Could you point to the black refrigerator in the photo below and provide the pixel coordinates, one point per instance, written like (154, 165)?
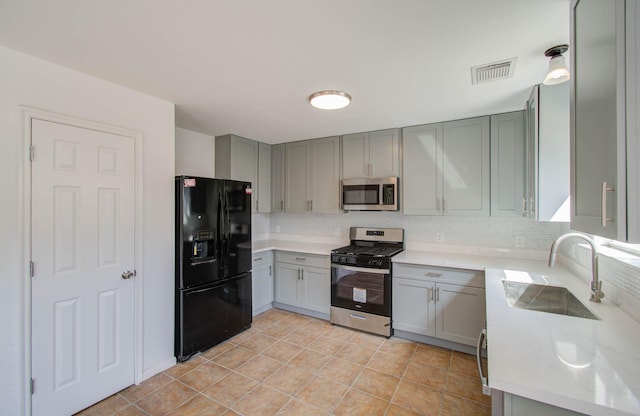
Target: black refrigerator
(213, 262)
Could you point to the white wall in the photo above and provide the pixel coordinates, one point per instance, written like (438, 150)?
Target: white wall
(28, 81)
(195, 153)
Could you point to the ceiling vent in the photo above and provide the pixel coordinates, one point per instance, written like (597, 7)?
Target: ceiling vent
(494, 71)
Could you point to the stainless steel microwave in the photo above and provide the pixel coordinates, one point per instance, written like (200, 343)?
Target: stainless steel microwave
(370, 194)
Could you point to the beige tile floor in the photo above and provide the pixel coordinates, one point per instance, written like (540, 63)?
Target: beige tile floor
(289, 364)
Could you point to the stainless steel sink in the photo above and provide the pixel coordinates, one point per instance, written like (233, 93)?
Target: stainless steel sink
(543, 298)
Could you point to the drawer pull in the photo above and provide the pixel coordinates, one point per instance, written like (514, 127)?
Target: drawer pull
(258, 259)
(301, 259)
(358, 317)
(433, 274)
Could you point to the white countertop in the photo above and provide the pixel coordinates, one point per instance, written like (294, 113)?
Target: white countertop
(292, 245)
(589, 366)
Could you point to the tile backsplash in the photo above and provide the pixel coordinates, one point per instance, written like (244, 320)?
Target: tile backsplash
(491, 232)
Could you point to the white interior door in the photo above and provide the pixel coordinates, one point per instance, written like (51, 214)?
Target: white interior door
(82, 242)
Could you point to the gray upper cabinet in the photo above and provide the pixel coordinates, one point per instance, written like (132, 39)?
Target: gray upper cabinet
(237, 159)
(421, 170)
(546, 181)
(446, 168)
(325, 175)
(277, 177)
(263, 202)
(507, 164)
(465, 167)
(604, 118)
(312, 182)
(373, 154)
(297, 177)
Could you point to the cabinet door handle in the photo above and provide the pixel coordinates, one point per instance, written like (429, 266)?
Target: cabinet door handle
(302, 274)
(430, 294)
(437, 294)
(270, 270)
(438, 204)
(282, 205)
(256, 205)
(605, 189)
(524, 206)
(298, 274)
(311, 205)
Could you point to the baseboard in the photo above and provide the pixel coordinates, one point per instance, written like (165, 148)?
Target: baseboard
(302, 311)
(435, 341)
(262, 309)
(150, 372)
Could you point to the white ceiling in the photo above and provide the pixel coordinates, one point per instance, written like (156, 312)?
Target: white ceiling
(248, 66)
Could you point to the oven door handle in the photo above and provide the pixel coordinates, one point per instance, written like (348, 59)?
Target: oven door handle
(360, 269)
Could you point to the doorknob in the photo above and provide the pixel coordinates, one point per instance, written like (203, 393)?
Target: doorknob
(128, 274)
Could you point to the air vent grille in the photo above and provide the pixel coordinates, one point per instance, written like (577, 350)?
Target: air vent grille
(493, 72)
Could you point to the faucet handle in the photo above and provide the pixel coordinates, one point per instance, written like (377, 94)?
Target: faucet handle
(596, 292)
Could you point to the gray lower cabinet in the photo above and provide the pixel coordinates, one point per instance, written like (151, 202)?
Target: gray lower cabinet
(312, 179)
(303, 283)
(262, 282)
(446, 168)
(443, 303)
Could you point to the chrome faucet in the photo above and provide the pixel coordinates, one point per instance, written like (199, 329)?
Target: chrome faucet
(596, 284)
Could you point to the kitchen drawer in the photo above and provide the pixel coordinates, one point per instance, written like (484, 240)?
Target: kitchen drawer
(440, 274)
(302, 259)
(262, 258)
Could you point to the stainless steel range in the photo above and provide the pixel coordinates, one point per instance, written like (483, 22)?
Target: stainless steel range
(361, 279)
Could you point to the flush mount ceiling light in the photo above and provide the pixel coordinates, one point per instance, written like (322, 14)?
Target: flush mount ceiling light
(330, 99)
(558, 72)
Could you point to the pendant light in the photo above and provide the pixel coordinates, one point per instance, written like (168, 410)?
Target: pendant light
(330, 99)
(558, 72)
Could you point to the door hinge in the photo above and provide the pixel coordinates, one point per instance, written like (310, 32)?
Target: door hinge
(32, 152)
(33, 386)
(32, 268)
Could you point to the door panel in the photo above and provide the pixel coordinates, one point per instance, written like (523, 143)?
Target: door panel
(383, 153)
(460, 312)
(296, 194)
(82, 242)
(325, 175)
(316, 292)
(414, 306)
(465, 167)
(287, 278)
(422, 175)
(355, 155)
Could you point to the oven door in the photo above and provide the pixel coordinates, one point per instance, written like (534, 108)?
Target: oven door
(361, 289)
